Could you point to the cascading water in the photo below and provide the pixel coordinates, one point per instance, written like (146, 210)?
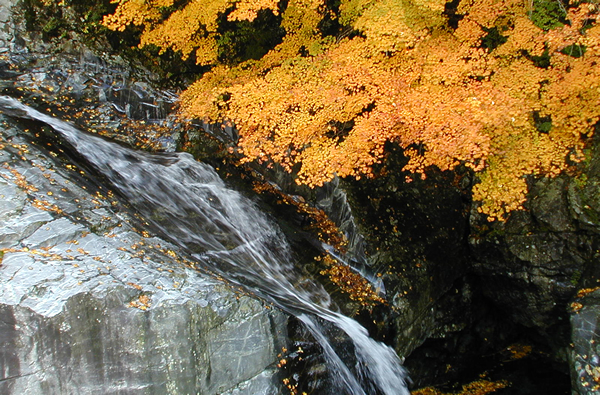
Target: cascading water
(190, 205)
(332, 199)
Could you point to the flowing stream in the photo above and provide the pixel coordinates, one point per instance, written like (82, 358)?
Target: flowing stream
(190, 205)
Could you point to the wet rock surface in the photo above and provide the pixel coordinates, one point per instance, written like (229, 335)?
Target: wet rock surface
(537, 267)
(96, 90)
(415, 236)
(585, 354)
(90, 304)
(467, 294)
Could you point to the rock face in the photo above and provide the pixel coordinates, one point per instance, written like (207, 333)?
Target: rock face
(462, 287)
(531, 266)
(415, 236)
(585, 354)
(89, 304)
(541, 268)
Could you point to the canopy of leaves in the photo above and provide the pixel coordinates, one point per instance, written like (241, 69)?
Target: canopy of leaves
(504, 87)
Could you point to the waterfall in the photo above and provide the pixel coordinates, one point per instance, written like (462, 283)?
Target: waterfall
(188, 204)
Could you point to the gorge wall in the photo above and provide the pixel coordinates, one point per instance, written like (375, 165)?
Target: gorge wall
(467, 292)
(518, 300)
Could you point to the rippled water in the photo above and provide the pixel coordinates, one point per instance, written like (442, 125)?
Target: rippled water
(190, 205)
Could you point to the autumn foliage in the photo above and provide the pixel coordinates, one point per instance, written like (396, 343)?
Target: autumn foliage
(505, 87)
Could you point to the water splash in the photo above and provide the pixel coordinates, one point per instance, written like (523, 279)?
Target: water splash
(190, 205)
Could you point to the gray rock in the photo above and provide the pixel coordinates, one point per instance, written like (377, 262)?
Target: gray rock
(585, 337)
(54, 232)
(22, 226)
(584, 201)
(91, 305)
(5, 19)
(102, 346)
(255, 386)
(533, 265)
(549, 205)
(11, 198)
